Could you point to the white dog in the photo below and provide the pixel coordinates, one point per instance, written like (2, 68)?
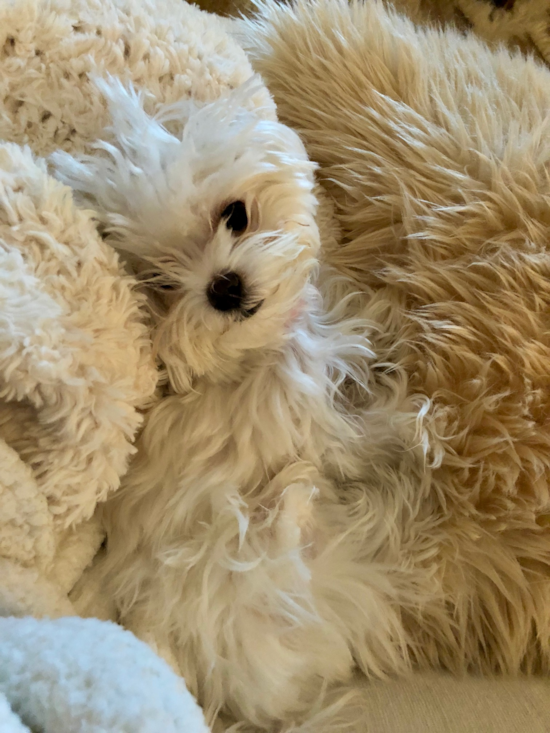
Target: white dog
(234, 545)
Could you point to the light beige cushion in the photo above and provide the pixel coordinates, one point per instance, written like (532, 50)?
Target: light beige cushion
(438, 703)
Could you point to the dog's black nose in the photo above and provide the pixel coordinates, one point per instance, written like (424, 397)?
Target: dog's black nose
(226, 292)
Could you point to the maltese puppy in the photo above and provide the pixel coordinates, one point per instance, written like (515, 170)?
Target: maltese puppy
(231, 545)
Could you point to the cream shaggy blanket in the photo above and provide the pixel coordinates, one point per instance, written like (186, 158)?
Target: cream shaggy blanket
(76, 365)
(521, 24)
(436, 153)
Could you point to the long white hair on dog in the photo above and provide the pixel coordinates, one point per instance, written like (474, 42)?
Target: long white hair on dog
(237, 544)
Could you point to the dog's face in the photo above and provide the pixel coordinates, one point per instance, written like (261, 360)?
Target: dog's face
(218, 222)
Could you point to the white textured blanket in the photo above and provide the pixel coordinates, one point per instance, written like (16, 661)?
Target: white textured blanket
(75, 366)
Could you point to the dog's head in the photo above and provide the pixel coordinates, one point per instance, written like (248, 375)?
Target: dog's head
(217, 221)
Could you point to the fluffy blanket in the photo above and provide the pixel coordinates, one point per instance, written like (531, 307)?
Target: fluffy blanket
(76, 366)
(522, 24)
(73, 674)
(436, 153)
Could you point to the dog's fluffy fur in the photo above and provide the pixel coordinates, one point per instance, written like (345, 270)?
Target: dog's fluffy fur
(300, 502)
(230, 548)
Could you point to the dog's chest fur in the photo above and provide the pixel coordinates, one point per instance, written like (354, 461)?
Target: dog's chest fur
(237, 490)
(233, 438)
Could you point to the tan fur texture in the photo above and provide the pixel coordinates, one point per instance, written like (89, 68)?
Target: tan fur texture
(519, 24)
(436, 153)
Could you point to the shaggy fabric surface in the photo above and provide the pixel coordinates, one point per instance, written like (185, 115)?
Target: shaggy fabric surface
(522, 24)
(436, 153)
(70, 675)
(73, 372)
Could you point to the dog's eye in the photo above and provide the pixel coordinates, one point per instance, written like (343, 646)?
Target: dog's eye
(159, 281)
(235, 216)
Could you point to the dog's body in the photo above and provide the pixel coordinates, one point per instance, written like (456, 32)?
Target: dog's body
(233, 544)
(219, 542)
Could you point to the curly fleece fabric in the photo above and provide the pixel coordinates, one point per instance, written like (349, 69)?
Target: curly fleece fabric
(89, 676)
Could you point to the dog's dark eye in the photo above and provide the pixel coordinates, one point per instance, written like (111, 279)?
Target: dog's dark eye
(235, 217)
(159, 281)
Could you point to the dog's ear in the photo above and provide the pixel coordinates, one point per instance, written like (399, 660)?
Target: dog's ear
(127, 166)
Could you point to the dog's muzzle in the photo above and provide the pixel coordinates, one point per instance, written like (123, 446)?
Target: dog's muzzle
(227, 294)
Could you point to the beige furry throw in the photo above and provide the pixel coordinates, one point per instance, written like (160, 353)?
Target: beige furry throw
(436, 152)
(522, 24)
